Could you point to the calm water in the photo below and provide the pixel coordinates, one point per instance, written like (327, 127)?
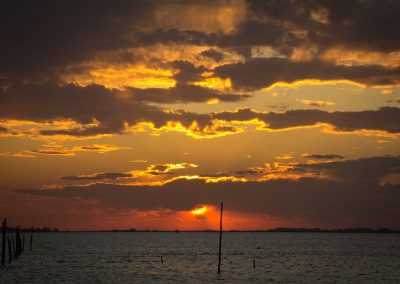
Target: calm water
(192, 257)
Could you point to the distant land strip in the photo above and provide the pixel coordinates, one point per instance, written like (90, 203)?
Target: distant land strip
(275, 230)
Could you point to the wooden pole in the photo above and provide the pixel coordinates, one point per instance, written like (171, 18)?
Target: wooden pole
(19, 243)
(9, 249)
(14, 247)
(30, 243)
(220, 239)
(3, 243)
(254, 263)
(162, 260)
(16, 243)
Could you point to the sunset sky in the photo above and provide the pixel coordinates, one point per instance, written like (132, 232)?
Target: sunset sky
(148, 114)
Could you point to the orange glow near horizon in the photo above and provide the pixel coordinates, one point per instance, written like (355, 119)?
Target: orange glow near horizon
(199, 211)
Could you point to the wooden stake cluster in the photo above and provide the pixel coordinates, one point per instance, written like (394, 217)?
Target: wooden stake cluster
(15, 244)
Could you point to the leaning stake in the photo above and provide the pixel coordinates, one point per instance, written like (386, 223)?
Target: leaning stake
(220, 239)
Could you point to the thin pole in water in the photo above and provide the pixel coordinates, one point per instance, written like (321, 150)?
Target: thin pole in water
(9, 250)
(220, 239)
(17, 242)
(30, 244)
(14, 247)
(3, 243)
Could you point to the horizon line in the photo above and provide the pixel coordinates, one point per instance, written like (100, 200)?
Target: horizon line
(274, 230)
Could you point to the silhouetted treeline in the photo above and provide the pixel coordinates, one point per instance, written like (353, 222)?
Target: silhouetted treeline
(275, 230)
(346, 230)
(32, 229)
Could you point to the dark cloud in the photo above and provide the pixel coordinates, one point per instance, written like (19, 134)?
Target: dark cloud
(288, 24)
(158, 173)
(49, 102)
(92, 148)
(214, 54)
(44, 39)
(322, 156)
(113, 110)
(174, 35)
(368, 25)
(363, 169)
(41, 37)
(100, 176)
(38, 37)
(238, 173)
(317, 201)
(50, 152)
(159, 169)
(384, 119)
(187, 72)
(263, 72)
(250, 32)
(184, 93)
(3, 129)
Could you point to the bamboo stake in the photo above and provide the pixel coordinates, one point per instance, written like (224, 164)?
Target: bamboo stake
(220, 239)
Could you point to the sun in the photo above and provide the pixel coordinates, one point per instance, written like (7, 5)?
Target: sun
(201, 210)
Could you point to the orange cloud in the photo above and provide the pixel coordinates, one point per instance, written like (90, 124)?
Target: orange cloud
(312, 82)
(284, 157)
(222, 17)
(316, 103)
(54, 149)
(200, 210)
(387, 92)
(345, 56)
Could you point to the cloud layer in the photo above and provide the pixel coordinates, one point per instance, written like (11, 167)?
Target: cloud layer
(352, 195)
(109, 111)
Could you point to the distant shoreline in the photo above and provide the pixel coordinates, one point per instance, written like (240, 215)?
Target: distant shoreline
(276, 230)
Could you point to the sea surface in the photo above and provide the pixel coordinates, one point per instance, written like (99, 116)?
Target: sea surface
(192, 257)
